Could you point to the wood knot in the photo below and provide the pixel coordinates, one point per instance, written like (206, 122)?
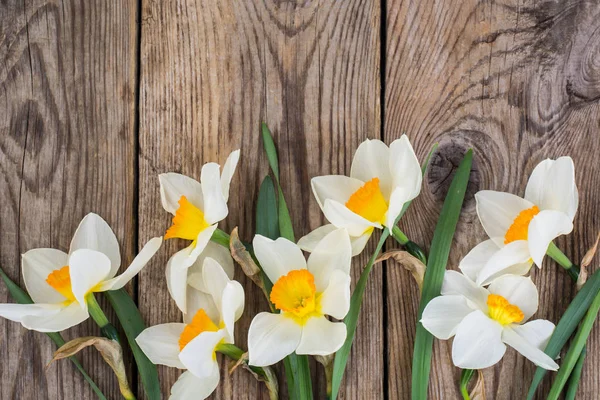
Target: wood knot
(444, 163)
(583, 76)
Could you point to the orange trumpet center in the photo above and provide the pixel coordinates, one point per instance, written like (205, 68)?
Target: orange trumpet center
(368, 202)
(60, 280)
(502, 311)
(520, 226)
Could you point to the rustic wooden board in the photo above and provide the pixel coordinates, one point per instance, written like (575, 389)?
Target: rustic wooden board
(67, 79)
(211, 73)
(517, 81)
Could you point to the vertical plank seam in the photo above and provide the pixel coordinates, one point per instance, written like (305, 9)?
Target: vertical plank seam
(136, 170)
(382, 70)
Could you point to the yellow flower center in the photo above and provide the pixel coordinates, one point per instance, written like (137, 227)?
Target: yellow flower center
(520, 226)
(502, 311)
(368, 202)
(60, 280)
(296, 295)
(200, 323)
(188, 221)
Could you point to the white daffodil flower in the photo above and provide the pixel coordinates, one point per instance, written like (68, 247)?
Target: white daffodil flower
(305, 292)
(483, 321)
(192, 345)
(521, 229)
(197, 208)
(59, 282)
(381, 180)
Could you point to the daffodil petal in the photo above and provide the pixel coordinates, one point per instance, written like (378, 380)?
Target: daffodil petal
(475, 259)
(65, 318)
(398, 198)
(196, 300)
(177, 276)
(272, 337)
(198, 355)
(311, 240)
(232, 306)
(36, 265)
(552, 186)
(405, 168)
(443, 314)
(217, 252)
(333, 253)
(372, 160)
(135, 267)
(340, 216)
(513, 258)
(160, 343)
(321, 337)
(360, 242)
(277, 257)
(215, 205)
(16, 312)
(334, 187)
(536, 332)
(456, 283)
(93, 233)
(190, 387)
(497, 212)
(228, 171)
(518, 290)
(173, 186)
(88, 269)
(215, 280)
(543, 229)
(478, 342)
(528, 350)
(335, 299)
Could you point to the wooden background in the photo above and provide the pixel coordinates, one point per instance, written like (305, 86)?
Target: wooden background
(98, 97)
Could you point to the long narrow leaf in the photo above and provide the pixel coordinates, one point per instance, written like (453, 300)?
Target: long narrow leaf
(23, 298)
(286, 228)
(267, 217)
(575, 377)
(434, 274)
(133, 324)
(567, 325)
(575, 350)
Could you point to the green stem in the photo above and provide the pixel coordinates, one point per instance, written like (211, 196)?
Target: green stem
(557, 255)
(108, 330)
(410, 246)
(220, 237)
(465, 378)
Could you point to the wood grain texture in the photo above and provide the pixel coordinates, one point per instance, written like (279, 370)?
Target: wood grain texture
(66, 148)
(211, 73)
(517, 81)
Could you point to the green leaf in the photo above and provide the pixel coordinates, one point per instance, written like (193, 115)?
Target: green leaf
(434, 274)
(575, 377)
(23, 298)
(133, 324)
(267, 217)
(575, 350)
(567, 325)
(286, 228)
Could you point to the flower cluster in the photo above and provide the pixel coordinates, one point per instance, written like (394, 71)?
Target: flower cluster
(487, 305)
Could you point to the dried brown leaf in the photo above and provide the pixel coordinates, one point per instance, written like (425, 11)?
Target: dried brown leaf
(585, 262)
(245, 260)
(110, 351)
(478, 392)
(408, 261)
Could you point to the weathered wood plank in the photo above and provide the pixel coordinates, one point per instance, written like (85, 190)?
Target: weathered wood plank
(211, 73)
(67, 78)
(519, 82)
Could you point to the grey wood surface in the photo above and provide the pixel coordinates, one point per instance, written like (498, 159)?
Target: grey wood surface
(99, 97)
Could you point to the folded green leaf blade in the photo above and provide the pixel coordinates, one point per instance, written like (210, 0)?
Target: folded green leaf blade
(434, 274)
(22, 297)
(271, 150)
(575, 377)
(133, 324)
(575, 350)
(567, 325)
(267, 216)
